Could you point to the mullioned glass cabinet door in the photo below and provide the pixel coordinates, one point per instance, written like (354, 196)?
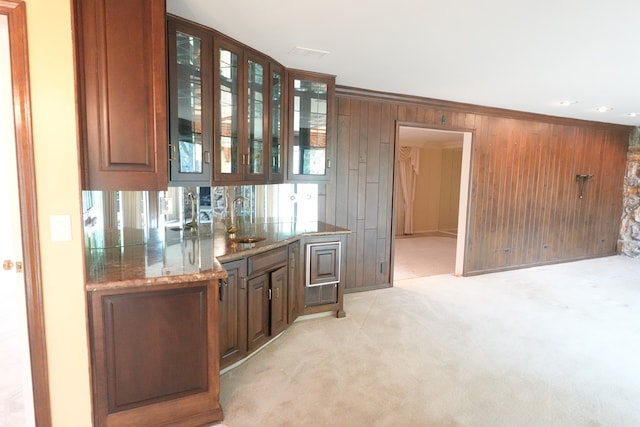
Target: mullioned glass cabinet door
(189, 104)
(310, 101)
(257, 100)
(229, 103)
(276, 124)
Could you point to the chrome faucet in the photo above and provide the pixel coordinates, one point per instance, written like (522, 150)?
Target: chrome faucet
(232, 229)
(193, 224)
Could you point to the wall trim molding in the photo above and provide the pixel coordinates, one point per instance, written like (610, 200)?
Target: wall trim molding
(452, 106)
(15, 10)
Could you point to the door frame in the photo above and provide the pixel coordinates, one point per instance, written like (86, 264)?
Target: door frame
(465, 190)
(15, 11)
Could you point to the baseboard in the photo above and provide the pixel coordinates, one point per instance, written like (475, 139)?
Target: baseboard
(437, 233)
(367, 288)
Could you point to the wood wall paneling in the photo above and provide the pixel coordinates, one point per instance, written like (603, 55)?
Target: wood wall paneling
(524, 208)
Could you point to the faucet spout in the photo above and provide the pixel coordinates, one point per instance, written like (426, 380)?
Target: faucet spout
(193, 224)
(232, 213)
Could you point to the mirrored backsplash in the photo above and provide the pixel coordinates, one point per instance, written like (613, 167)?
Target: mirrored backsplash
(124, 218)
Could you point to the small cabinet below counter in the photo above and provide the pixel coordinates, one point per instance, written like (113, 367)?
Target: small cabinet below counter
(254, 304)
(323, 286)
(266, 289)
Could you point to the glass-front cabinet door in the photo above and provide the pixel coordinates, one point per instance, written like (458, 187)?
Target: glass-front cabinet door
(189, 53)
(310, 126)
(256, 154)
(228, 153)
(276, 128)
(242, 93)
(227, 106)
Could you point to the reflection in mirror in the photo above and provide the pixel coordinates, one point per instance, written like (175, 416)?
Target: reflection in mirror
(120, 218)
(125, 218)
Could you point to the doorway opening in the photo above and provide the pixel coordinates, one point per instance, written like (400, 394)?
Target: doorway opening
(431, 189)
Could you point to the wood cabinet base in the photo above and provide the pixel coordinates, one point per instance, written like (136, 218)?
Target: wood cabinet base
(154, 355)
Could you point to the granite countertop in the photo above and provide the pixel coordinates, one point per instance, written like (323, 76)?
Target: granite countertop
(177, 256)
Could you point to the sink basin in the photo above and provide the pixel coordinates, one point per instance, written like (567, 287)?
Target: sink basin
(247, 239)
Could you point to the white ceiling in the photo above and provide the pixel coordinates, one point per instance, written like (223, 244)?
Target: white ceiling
(525, 56)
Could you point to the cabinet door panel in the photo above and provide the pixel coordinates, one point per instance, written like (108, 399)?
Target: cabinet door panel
(323, 263)
(311, 105)
(256, 155)
(295, 283)
(154, 355)
(121, 57)
(142, 366)
(228, 63)
(321, 295)
(278, 300)
(276, 125)
(190, 106)
(233, 314)
(258, 311)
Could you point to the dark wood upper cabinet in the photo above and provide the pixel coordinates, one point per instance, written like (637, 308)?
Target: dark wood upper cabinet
(241, 103)
(277, 123)
(122, 95)
(190, 103)
(227, 109)
(311, 107)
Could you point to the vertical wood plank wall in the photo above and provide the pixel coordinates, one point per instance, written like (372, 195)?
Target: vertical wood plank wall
(524, 208)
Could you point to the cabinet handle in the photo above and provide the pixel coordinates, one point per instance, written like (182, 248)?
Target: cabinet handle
(277, 293)
(172, 156)
(243, 283)
(221, 284)
(269, 294)
(207, 157)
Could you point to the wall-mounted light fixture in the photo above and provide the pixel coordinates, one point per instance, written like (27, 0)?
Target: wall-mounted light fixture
(582, 180)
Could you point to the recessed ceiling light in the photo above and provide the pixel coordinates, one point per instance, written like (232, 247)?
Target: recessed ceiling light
(568, 102)
(603, 109)
(632, 114)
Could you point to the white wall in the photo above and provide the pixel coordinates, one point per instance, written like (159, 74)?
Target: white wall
(437, 191)
(58, 193)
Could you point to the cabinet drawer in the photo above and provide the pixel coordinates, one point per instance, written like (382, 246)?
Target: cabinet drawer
(265, 261)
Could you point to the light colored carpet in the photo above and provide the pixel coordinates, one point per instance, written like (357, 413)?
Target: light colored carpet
(424, 256)
(548, 346)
